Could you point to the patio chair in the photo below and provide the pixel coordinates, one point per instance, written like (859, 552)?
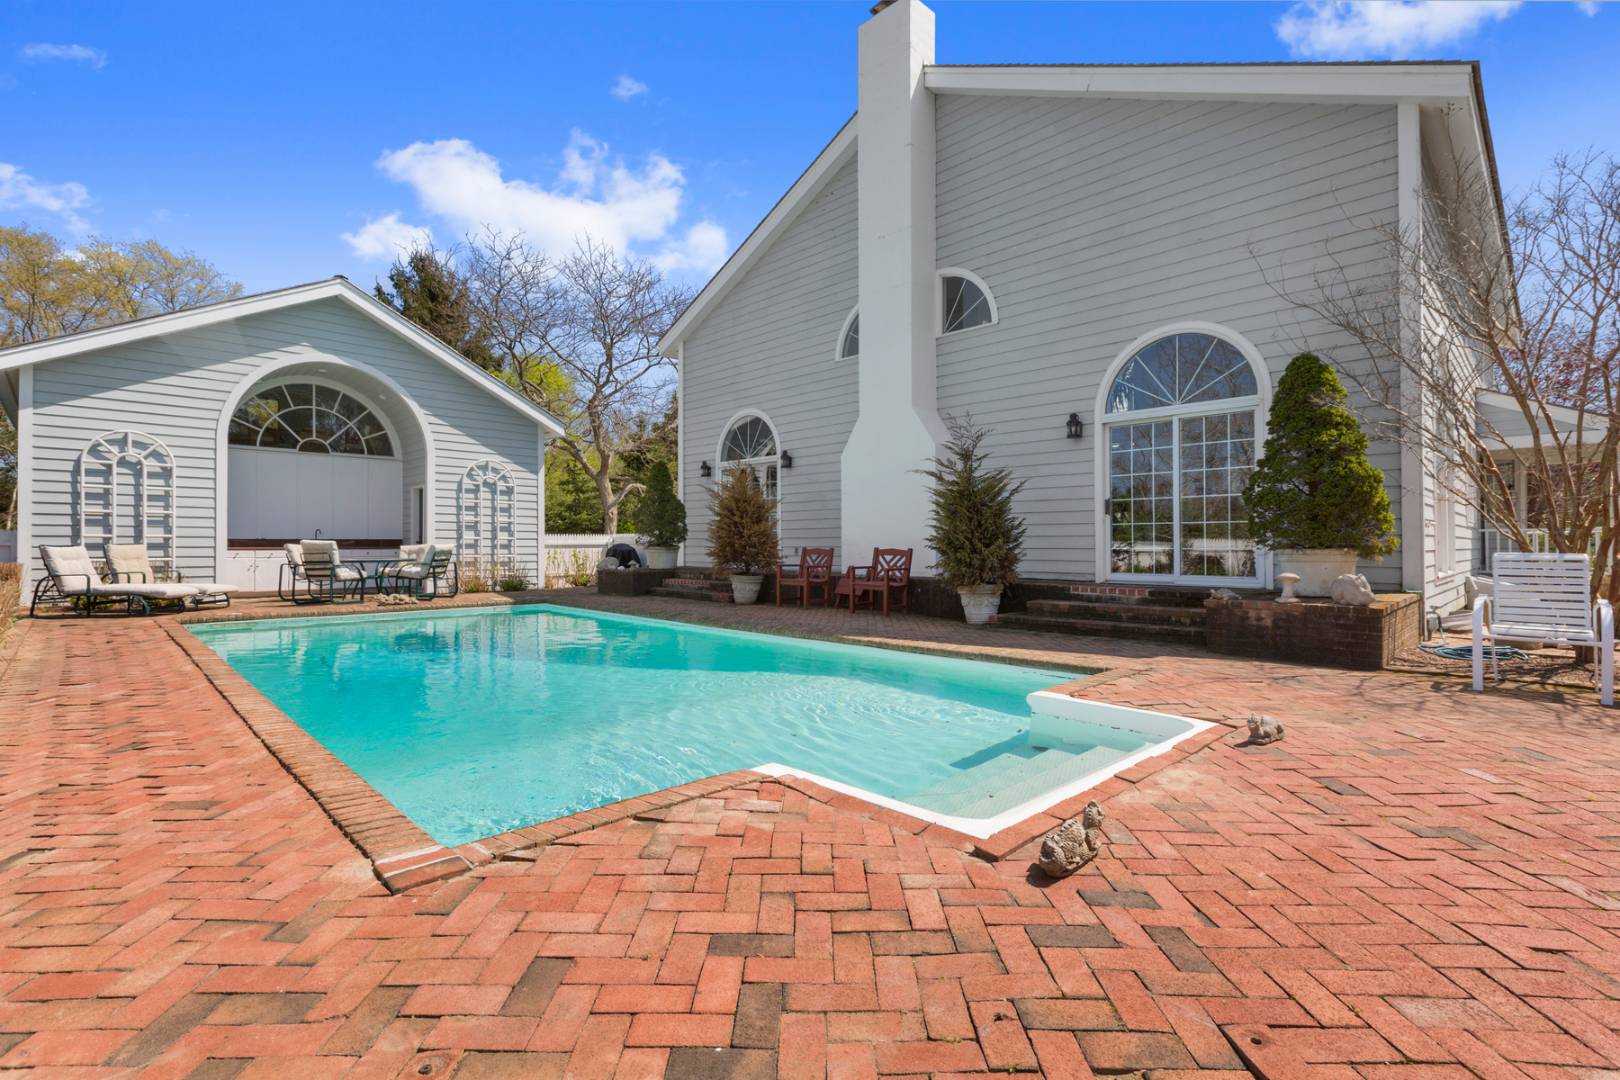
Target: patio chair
(813, 569)
(1546, 599)
(131, 564)
(423, 571)
(70, 574)
(888, 575)
(327, 578)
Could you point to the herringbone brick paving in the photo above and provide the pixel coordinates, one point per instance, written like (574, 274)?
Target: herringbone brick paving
(1417, 882)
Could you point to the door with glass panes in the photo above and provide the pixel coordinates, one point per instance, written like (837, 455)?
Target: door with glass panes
(1180, 435)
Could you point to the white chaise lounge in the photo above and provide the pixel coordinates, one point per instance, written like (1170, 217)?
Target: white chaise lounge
(1545, 599)
(131, 564)
(71, 574)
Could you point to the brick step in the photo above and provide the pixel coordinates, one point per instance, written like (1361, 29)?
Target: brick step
(1158, 595)
(1187, 635)
(716, 584)
(1115, 611)
(683, 592)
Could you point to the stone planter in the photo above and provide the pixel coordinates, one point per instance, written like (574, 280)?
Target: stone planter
(1316, 568)
(745, 587)
(662, 558)
(980, 603)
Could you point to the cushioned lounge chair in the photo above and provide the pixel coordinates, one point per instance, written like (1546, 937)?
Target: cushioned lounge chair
(327, 579)
(422, 571)
(70, 574)
(131, 564)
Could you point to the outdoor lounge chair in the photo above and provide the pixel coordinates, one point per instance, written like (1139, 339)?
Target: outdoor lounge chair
(131, 564)
(327, 578)
(424, 570)
(70, 574)
(889, 575)
(1546, 599)
(813, 569)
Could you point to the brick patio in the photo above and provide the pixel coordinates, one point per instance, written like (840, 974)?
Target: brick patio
(1418, 881)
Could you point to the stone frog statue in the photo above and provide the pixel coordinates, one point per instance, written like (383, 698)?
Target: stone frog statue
(1264, 729)
(1073, 844)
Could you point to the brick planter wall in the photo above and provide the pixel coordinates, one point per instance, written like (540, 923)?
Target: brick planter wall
(930, 596)
(630, 582)
(1316, 631)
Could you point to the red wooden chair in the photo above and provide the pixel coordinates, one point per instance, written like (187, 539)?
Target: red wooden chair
(889, 575)
(813, 568)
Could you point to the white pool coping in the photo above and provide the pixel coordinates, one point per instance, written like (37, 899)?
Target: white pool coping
(1049, 713)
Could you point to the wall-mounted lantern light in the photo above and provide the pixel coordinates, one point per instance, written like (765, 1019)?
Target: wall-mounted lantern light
(1076, 428)
(704, 470)
(787, 460)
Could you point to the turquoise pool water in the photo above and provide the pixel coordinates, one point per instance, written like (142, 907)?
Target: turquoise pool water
(474, 722)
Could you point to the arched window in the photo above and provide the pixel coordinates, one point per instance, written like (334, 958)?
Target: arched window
(750, 443)
(486, 521)
(310, 417)
(1182, 422)
(964, 301)
(849, 337)
(124, 493)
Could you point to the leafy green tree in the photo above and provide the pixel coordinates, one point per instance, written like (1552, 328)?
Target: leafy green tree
(1315, 488)
(975, 534)
(661, 516)
(426, 288)
(571, 502)
(742, 525)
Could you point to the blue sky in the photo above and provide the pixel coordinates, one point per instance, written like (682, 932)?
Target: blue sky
(313, 140)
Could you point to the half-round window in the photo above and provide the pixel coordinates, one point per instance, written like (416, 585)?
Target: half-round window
(310, 417)
(964, 302)
(1181, 369)
(849, 339)
(750, 443)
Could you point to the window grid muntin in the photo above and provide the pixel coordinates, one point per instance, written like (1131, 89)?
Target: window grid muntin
(964, 304)
(1216, 457)
(849, 343)
(309, 417)
(1178, 370)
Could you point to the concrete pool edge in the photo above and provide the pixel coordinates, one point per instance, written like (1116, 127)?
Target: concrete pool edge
(404, 856)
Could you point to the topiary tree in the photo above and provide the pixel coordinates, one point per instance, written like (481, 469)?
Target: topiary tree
(1315, 488)
(742, 525)
(976, 535)
(661, 514)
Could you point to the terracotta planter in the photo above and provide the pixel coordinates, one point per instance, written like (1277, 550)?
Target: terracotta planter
(745, 588)
(980, 603)
(1316, 568)
(662, 558)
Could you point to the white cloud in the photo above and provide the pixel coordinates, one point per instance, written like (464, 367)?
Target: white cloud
(388, 237)
(596, 196)
(1345, 29)
(19, 190)
(627, 88)
(79, 54)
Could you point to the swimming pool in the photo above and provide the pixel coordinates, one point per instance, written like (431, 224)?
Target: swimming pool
(477, 721)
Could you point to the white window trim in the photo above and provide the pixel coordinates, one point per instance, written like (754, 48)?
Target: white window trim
(1101, 418)
(838, 344)
(720, 462)
(330, 384)
(939, 300)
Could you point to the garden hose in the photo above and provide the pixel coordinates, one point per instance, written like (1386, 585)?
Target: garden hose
(1466, 652)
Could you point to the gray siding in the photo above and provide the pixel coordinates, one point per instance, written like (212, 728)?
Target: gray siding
(1096, 221)
(174, 389)
(769, 346)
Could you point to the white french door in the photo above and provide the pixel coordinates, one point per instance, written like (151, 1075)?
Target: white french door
(1173, 508)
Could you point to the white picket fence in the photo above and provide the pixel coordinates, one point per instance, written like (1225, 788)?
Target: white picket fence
(571, 558)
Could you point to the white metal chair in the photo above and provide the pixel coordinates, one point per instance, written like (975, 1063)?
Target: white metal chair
(1545, 599)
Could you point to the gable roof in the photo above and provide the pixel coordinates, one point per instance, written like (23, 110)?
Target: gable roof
(1427, 82)
(334, 288)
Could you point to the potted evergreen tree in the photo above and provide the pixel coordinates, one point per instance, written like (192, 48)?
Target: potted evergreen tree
(1314, 499)
(662, 517)
(742, 533)
(977, 538)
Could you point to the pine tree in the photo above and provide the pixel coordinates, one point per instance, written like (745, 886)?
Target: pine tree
(660, 515)
(976, 535)
(742, 525)
(427, 290)
(1315, 488)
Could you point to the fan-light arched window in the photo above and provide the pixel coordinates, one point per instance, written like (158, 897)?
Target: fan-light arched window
(310, 417)
(1181, 369)
(486, 516)
(750, 443)
(124, 493)
(849, 338)
(964, 302)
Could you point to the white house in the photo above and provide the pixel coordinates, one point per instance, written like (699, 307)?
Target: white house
(216, 434)
(1035, 244)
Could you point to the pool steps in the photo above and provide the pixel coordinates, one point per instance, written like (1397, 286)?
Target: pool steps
(986, 789)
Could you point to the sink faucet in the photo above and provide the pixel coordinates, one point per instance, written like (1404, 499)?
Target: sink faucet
(317, 534)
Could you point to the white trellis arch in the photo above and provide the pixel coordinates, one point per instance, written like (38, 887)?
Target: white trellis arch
(145, 514)
(486, 513)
